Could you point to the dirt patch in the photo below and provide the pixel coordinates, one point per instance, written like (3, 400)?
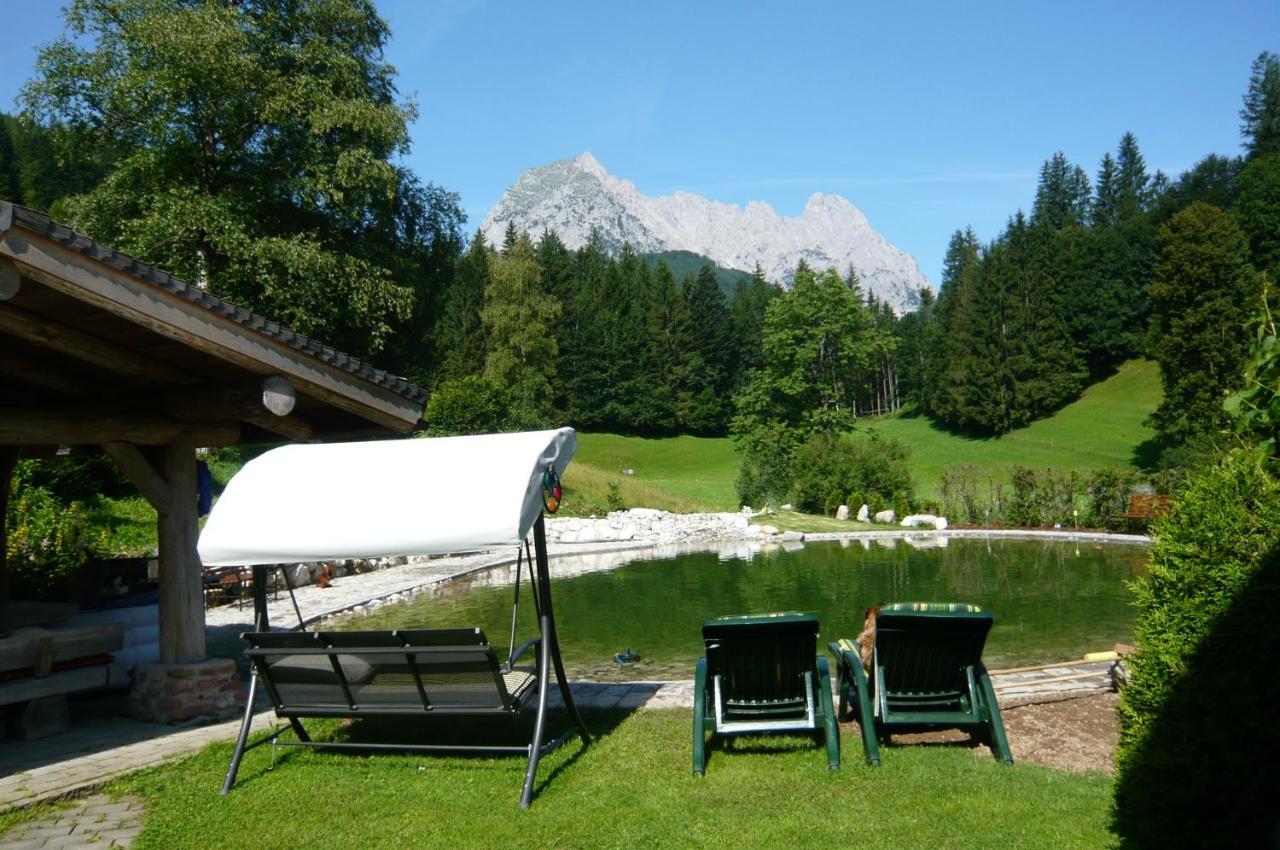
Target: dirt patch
(1072, 733)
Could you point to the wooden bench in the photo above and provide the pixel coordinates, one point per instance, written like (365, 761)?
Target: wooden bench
(1143, 507)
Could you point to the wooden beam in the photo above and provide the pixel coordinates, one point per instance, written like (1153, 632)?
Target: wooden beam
(26, 426)
(30, 371)
(73, 273)
(265, 402)
(90, 349)
(10, 279)
(8, 459)
(182, 638)
(141, 473)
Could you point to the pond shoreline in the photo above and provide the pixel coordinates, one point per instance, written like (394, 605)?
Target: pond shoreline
(364, 592)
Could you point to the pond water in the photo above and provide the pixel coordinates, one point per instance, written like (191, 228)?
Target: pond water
(1052, 600)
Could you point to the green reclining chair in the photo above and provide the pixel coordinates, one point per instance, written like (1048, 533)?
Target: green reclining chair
(762, 674)
(927, 673)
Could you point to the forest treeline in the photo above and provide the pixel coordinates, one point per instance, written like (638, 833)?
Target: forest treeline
(265, 163)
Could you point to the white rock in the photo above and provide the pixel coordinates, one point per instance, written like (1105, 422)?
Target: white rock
(918, 521)
(768, 529)
(786, 507)
(864, 514)
(886, 517)
(940, 523)
(842, 512)
(792, 537)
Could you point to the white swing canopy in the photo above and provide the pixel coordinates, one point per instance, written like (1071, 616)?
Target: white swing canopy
(383, 498)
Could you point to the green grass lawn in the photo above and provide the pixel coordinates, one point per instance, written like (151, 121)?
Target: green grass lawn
(1104, 427)
(632, 788)
(699, 471)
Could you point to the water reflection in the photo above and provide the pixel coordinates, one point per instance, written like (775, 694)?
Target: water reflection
(1052, 600)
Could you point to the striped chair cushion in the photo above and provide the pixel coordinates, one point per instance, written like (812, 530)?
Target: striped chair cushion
(931, 608)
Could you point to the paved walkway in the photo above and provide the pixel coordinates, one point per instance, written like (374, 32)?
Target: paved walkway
(94, 823)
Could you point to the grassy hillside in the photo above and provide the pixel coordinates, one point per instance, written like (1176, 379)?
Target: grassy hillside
(1103, 428)
(694, 471)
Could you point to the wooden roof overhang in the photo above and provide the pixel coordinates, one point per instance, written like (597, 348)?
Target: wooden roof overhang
(97, 347)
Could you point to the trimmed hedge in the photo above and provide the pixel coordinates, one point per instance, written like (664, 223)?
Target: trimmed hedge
(1199, 743)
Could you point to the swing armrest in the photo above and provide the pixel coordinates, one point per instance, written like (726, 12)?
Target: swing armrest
(521, 650)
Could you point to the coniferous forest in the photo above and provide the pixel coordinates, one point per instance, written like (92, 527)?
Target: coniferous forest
(1108, 264)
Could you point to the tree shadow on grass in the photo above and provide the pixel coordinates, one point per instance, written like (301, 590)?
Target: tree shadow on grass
(1205, 772)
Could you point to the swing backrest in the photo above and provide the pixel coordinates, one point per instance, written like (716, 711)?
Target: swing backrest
(401, 672)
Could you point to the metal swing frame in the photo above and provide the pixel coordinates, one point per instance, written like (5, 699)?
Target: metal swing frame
(440, 649)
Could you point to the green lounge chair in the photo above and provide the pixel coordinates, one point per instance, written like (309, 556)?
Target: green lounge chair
(762, 674)
(927, 673)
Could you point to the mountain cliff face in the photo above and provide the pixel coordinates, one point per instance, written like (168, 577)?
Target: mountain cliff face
(573, 196)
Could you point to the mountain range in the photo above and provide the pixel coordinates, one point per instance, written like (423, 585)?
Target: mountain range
(575, 196)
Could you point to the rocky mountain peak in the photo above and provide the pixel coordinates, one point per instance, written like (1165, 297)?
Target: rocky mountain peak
(575, 196)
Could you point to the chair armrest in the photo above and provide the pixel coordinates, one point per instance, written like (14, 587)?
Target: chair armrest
(521, 650)
(849, 661)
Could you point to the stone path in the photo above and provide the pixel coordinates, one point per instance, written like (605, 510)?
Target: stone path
(92, 823)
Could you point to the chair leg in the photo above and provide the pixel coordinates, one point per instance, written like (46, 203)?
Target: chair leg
(535, 747)
(243, 738)
(832, 731)
(866, 717)
(699, 717)
(995, 723)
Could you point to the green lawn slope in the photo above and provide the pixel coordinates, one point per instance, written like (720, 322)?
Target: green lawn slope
(1104, 427)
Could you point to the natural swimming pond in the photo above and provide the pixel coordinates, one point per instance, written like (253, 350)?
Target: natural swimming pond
(1052, 600)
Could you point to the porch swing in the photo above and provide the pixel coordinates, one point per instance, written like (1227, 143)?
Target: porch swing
(392, 500)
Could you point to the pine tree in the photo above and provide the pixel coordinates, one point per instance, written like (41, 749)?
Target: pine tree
(948, 345)
(1202, 292)
(1132, 181)
(1062, 194)
(712, 346)
(518, 319)
(1106, 199)
(1260, 115)
(459, 331)
(585, 386)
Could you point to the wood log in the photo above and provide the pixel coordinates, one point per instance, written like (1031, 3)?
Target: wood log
(142, 473)
(265, 402)
(10, 279)
(31, 372)
(82, 346)
(182, 638)
(42, 426)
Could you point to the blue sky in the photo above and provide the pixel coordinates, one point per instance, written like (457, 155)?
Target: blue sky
(928, 117)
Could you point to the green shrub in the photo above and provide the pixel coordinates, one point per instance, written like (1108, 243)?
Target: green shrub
(834, 501)
(47, 544)
(613, 497)
(1022, 508)
(855, 502)
(960, 494)
(827, 465)
(1108, 494)
(1198, 743)
(470, 405)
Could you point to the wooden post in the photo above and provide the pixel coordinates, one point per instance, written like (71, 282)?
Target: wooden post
(8, 459)
(181, 597)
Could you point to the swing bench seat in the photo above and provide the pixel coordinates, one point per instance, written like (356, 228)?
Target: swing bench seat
(402, 673)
